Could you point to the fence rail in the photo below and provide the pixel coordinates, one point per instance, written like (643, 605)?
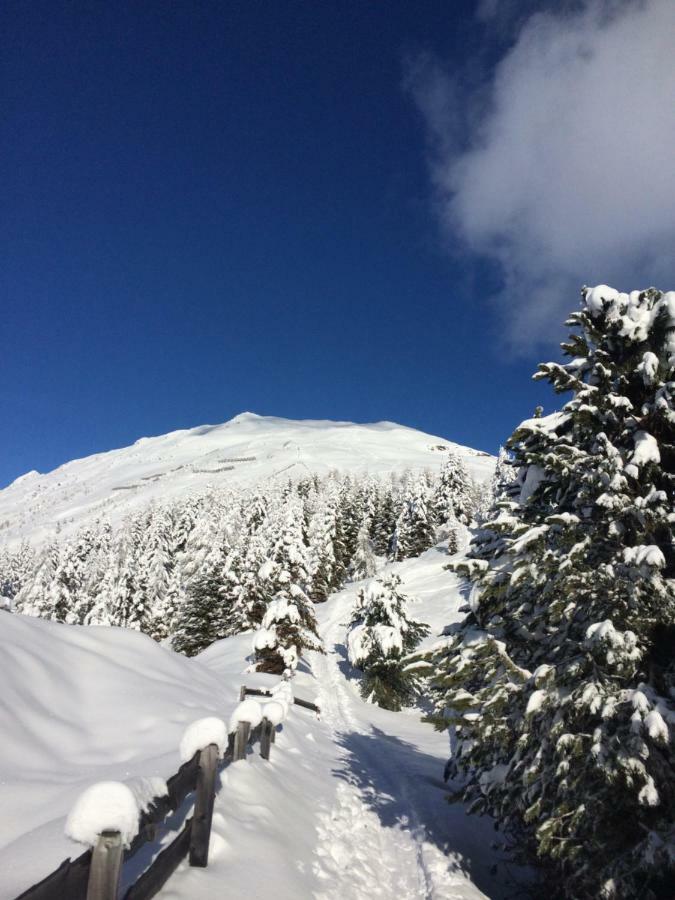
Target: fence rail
(95, 875)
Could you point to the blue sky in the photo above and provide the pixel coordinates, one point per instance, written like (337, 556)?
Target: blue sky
(218, 207)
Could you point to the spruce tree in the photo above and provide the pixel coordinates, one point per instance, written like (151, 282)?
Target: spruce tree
(381, 637)
(204, 616)
(559, 685)
(454, 496)
(288, 630)
(415, 531)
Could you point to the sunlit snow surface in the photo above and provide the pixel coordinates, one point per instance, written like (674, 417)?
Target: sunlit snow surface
(246, 451)
(351, 805)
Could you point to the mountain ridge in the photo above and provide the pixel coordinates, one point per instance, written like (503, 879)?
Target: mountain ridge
(242, 452)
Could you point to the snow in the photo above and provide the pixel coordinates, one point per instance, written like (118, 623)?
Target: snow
(243, 452)
(350, 805)
(649, 796)
(646, 449)
(656, 727)
(264, 638)
(597, 298)
(106, 806)
(249, 710)
(146, 789)
(533, 478)
(649, 367)
(200, 734)
(645, 555)
(275, 712)
(535, 702)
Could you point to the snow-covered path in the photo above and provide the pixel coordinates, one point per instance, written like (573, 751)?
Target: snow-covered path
(390, 805)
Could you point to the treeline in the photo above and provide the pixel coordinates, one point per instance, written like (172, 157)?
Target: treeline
(197, 570)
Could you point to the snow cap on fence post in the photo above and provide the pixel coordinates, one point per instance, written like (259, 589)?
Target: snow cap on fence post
(200, 734)
(248, 711)
(105, 806)
(275, 712)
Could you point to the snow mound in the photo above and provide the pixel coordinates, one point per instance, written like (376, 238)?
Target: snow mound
(200, 734)
(106, 806)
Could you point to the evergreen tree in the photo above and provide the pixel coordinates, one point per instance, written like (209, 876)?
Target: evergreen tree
(381, 637)
(364, 564)
(204, 616)
(383, 520)
(415, 530)
(454, 497)
(288, 630)
(322, 563)
(559, 685)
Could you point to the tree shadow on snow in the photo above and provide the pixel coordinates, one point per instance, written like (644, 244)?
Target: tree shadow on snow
(404, 787)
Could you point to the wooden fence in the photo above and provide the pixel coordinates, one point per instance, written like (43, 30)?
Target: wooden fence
(95, 875)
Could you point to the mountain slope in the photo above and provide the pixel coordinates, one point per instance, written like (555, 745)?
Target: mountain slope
(245, 451)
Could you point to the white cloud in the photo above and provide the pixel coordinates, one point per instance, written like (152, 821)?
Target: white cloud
(563, 170)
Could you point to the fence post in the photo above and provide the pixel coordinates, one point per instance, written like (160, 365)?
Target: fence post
(203, 814)
(242, 693)
(241, 736)
(104, 871)
(266, 738)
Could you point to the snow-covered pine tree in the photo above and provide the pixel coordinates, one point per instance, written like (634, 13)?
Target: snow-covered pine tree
(454, 496)
(364, 564)
(560, 684)
(415, 528)
(204, 616)
(503, 475)
(288, 630)
(383, 519)
(15, 571)
(381, 637)
(321, 554)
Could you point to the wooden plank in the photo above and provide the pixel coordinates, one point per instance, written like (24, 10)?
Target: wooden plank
(183, 782)
(162, 868)
(306, 704)
(105, 868)
(68, 881)
(241, 737)
(206, 792)
(259, 692)
(266, 733)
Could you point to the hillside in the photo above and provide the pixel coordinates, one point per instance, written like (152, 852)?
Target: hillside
(248, 450)
(351, 804)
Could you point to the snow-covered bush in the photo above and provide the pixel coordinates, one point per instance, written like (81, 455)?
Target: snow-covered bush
(381, 637)
(562, 678)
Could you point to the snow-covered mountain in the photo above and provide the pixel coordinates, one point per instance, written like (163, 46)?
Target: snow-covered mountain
(245, 451)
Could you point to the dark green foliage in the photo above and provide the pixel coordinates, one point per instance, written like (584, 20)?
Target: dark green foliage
(382, 637)
(557, 686)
